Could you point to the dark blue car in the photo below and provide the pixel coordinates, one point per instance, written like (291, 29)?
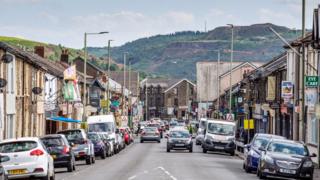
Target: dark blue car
(100, 148)
(252, 153)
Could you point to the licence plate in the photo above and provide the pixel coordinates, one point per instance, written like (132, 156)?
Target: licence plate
(288, 171)
(179, 144)
(219, 147)
(17, 171)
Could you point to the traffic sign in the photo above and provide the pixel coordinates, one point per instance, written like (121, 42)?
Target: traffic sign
(311, 81)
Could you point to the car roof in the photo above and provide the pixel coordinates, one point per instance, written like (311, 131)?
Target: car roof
(52, 136)
(67, 130)
(269, 136)
(20, 139)
(221, 121)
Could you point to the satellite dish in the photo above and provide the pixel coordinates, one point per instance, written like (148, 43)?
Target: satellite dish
(7, 58)
(3, 83)
(37, 90)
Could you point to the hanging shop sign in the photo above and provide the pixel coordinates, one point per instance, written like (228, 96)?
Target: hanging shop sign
(286, 89)
(271, 91)
(311, 81)
(70, 73)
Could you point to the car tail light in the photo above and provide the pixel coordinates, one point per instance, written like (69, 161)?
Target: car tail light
(36, 170)
(36, 152)
(66, 149)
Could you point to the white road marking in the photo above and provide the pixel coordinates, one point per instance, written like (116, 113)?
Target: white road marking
(168, 173)
(132, 177)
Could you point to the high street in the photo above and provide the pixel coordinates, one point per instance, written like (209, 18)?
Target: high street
(151, 161)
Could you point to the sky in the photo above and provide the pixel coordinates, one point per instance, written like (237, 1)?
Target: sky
(65, 21)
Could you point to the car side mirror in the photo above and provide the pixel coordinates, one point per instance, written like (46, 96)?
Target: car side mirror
(4, 159)
(313, 155)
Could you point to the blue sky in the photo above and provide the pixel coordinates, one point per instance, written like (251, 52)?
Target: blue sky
(65, 21)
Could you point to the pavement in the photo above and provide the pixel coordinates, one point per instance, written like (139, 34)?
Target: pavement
(150, 161)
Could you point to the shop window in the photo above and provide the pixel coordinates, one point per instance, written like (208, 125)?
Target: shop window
(314, 131)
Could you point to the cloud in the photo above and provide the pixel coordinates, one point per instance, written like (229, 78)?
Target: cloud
(19, 1)
(279, 18)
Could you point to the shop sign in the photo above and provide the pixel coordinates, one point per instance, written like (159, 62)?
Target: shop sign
(248, 124)
(286, 89)
(311, 81)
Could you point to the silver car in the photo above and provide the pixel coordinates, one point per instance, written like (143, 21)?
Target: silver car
(150, 134)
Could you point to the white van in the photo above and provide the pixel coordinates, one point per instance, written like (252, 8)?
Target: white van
(202, 125)
(219, 136)
(103, 124)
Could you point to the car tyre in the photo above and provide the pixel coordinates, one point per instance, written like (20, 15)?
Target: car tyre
(232, 153)
(191, 150)
(53, 177)
(204, 150)
(141, 141)
(89, 160)
(104, 154)
(70, 166)
(159, 141)
(93, 159)
(247, 169)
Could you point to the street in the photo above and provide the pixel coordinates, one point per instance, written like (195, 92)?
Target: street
(150, 161)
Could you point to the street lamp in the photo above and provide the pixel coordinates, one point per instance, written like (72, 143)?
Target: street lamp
(85, 70)
(231, 61)
(108, 86)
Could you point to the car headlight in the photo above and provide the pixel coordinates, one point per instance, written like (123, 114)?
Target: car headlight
(307, 164)
(269, 160)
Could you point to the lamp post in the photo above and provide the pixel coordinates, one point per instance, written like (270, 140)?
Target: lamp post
(231, 61)
(108, 85)
(85, 71)
(124, 80)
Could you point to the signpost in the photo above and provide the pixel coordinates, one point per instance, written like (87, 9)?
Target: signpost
(311, 81)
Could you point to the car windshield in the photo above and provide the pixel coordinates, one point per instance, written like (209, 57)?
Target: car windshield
(203, 124)
(94, 137)
(52, 142)
(179, 134)
(261, 142)
(19, 146)
(101, 127)
(221, 129)
(73, 136)
(288, 148)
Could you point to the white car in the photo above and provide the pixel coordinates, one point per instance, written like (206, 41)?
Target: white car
(28, 157)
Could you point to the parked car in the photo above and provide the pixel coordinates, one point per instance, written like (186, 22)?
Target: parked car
(166, 124)
(150, 134)
(83, 148)
(120, 144)
(285, 158)
(3, 175)
(157, 125)
(58, 147)
(252, 153)
(108, 142)
(100, 148)
(179, 139)
(219, 136)
(28, 157)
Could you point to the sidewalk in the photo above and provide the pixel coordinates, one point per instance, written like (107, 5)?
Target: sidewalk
(316, 174)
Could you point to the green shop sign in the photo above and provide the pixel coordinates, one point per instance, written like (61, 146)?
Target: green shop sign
(311, 81)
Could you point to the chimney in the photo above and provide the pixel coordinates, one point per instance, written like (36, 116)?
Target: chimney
(39, 50)
(64, 56)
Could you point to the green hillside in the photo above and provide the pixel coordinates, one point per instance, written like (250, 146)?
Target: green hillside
(175, 55)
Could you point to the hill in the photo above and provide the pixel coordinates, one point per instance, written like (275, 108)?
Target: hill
(175, 55)
(53, 52)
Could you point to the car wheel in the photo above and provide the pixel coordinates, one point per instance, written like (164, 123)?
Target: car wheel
(53, 177)
(89, 160)
(168, 149)
(204, 150)
(104, 154)
(141, 141)
(159, 141)
(247, 169)
(70, 166)
(191, 150)
(232, 153)
(93, 159)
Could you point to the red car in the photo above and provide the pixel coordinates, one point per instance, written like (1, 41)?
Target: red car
(127, 135)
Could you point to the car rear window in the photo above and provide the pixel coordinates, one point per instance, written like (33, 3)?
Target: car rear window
(18, 146)
(52, 141)
(73, 136)
(151, 129)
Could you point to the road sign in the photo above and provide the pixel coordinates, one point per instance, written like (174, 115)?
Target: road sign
(311, 81)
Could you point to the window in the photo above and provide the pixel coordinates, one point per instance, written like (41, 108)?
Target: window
(9, 126)
(11, 77)
(314, 131)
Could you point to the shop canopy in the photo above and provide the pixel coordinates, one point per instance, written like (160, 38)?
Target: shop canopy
(64, 119)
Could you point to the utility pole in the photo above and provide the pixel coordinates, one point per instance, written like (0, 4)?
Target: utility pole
(108, 85)
(146, 100)
(231, 61)
(218, 86)
(129, 95)
(124, 82)
(302, 123)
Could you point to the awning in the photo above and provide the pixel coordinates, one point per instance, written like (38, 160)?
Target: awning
(64, 119)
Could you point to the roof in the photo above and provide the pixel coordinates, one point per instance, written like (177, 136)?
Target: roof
(96, 82)
(269, 136)
(174, 85)
(118, 76)
(89, 63)
(239, 66)
(163, 82)
(54, 68)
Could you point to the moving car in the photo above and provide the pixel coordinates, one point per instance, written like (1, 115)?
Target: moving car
(3, 175)
(285, 158)
(219, 136)
(157, 125)
(199, 139)
(83, 148)
(28, 157)
(150, 134)
(252, 153)
(58, 147)
(179, 139)
(100, 148)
